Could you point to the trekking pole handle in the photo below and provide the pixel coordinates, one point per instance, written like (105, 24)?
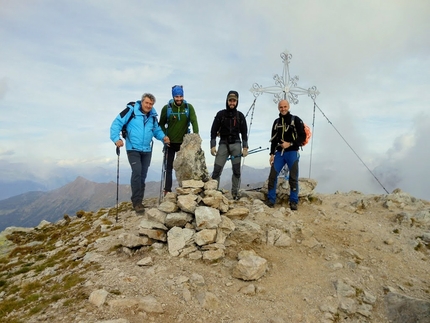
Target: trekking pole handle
(233, 157)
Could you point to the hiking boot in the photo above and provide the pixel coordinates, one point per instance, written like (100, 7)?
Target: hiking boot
(269, 204)
(139, 208)
(293, 206)
(236, 197)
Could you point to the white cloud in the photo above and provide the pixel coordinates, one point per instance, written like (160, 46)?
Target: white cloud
(70, 67)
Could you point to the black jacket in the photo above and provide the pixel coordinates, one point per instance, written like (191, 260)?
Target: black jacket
(282, 129)
(230, 125)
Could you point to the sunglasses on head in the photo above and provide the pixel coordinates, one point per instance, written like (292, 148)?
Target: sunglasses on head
(176, 86)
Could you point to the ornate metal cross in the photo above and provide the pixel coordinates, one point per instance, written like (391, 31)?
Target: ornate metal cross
(285, 87)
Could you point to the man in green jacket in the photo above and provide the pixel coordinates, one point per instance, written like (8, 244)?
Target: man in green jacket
(175, 119)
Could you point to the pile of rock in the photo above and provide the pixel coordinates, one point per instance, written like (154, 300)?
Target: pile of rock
(196, 221)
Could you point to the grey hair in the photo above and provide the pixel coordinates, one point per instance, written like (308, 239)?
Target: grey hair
(149, 96)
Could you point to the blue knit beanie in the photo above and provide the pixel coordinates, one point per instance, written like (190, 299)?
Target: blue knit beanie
(177, 90)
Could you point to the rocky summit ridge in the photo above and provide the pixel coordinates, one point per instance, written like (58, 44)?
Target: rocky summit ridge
(201, 257)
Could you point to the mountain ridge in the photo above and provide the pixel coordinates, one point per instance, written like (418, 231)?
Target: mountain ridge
(28, 209)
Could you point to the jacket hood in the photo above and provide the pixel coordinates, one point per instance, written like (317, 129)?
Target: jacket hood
(231, 93)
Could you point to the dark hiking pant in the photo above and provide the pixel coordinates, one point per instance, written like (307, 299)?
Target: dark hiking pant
(139, 162)
(172, 149)
(224, 151)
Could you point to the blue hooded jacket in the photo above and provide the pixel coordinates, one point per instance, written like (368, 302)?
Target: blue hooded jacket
(140, 130)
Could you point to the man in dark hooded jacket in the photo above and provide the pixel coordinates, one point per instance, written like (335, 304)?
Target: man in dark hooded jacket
(230, 125)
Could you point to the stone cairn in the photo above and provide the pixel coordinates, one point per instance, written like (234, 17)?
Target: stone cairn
(196, 220)
(190, 162)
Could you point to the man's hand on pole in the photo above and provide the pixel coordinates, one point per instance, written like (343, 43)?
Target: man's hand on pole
(244, 152)
(119, 143)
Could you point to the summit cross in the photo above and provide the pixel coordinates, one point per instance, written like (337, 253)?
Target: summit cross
(286, 86)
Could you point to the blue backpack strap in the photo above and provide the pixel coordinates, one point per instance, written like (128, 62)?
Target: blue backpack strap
(187, 110)
(169, 110)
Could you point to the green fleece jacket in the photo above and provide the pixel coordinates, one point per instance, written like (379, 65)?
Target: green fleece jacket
(177, 125)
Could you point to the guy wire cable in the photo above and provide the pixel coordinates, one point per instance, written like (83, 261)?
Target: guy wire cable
(351, 148)
(312, 140)
(251, 108)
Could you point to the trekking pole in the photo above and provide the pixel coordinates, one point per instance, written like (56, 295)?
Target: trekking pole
(250, 152)
(233, 157)
(117, 183)
(251, 109)
(256, 150)
(163, 174)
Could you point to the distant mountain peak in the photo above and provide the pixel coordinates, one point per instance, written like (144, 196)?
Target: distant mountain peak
(81, 179)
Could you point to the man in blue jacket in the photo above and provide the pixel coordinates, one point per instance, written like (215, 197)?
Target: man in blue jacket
(141, 123)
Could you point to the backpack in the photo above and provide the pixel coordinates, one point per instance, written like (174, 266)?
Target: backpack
(124, 127)
(308, 131)
(187, 112)
(124, 132)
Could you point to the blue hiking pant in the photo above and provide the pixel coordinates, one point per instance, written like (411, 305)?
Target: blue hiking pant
(139, 162)
(291, 158)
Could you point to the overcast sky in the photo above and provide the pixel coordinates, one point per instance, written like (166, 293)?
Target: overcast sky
(67, 68)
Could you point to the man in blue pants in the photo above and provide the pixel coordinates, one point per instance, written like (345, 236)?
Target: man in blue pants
(288, 134)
